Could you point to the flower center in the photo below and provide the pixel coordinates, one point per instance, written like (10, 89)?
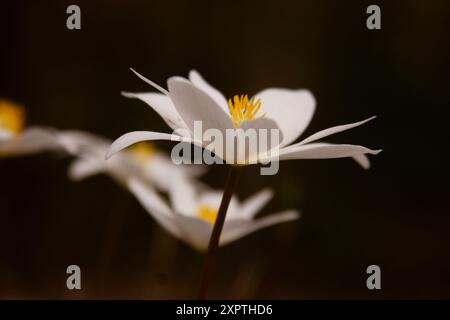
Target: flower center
(242, 109)
(207, 213)
(12, 117)
(142, 151)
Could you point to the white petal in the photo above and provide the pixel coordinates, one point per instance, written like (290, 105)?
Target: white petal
(131, 138)
(193, 170)
(194, 231)
(200, 82)
(193, 104)
(324, 151)
(251, 206)
(239, 228)
(213, 198)
(292, 110)
(90, 150)
(325, 133)
(155, 206)
(74, 142)
(154, 85)
(183, 196)
(5, 135)
(162, 105)
(263, 128)
(165, 172)
(84, 167)
(362, 160)
(31, 140)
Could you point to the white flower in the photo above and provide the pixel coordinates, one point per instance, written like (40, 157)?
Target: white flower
(17, 140)
(192, 213)
(290, 111)
(142, 161)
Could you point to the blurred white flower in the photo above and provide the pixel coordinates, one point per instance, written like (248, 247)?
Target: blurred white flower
(143, 161)
(16, 139)
(290, 111)
(192, 212)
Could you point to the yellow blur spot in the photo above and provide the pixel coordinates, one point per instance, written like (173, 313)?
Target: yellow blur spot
(142, 151)
(242, 109)
(207, 213)
(12, 117)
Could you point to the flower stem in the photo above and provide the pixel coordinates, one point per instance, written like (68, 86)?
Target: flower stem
(217, 230)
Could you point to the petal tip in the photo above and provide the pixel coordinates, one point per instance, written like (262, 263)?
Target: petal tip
(378, 151)
(366, 166)
(153, 84)
(270, 192)
(127, 94)
(309, 95)
(174, 80)
(371, 118)
(295, 215)
(193, 73)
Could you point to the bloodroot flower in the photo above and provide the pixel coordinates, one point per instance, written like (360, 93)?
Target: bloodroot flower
(285, 110)
(192, 213)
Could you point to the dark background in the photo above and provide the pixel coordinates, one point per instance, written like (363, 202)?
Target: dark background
(395, 215)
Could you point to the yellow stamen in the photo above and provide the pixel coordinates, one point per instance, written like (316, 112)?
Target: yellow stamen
(142, 151)
(12, 117)
(207, 213)
(242, 109)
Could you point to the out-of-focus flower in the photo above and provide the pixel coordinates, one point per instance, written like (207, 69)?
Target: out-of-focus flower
(16, 139)
(290, 111)
(142, 161)
(191, 215)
